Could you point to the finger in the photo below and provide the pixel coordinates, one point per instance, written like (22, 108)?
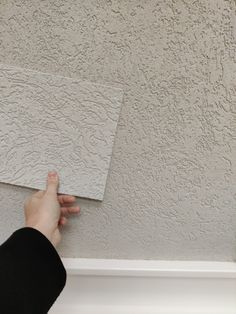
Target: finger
(66, 199)
(62, 221)
(70, 210)
(39, 194)
(52, 182)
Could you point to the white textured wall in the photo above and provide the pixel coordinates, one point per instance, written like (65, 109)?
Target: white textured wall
(171, 190)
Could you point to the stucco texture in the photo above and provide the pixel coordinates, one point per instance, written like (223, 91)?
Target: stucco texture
(171, 188)
(59, 123)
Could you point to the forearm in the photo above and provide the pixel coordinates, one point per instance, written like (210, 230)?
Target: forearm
(31, 273)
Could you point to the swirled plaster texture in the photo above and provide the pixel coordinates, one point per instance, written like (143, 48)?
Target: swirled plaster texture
(55, 122)
(171, 189)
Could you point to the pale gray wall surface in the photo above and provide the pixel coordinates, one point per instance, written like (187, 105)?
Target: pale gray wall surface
(171, 189)
(57, 123)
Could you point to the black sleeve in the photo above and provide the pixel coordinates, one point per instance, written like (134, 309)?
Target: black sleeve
(31, 273)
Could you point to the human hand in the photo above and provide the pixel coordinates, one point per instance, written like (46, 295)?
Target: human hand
(46, 211)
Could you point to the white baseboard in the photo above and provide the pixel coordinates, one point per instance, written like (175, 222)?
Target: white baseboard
(147, 287)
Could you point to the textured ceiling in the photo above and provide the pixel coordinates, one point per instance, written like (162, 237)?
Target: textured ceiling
(171, 189)
(53, 122)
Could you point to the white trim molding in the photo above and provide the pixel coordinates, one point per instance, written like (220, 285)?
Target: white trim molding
(104, 286)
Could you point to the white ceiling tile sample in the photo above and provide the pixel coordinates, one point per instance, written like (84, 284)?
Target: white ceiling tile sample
(50, 122)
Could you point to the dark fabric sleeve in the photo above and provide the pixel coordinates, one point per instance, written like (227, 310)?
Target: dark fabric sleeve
(32, 274)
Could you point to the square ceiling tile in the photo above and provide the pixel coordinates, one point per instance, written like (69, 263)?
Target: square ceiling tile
(50, 122)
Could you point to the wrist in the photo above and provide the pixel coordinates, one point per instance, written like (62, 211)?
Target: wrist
(47, 233)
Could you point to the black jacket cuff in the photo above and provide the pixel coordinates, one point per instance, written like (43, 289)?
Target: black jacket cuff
(35, 267)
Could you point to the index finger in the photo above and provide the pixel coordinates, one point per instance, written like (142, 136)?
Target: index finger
(66, 199)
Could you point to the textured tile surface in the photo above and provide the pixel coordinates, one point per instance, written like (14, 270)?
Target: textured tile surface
(171, 188)
(52, 122)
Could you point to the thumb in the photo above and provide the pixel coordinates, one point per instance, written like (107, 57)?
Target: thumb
(52, 182)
